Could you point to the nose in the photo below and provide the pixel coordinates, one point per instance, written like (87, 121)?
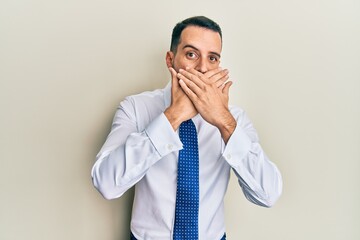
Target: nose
(202, 66)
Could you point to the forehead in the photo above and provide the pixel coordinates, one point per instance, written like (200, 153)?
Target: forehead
(201, 38)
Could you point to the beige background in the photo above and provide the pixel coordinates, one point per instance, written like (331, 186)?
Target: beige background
(65, 66)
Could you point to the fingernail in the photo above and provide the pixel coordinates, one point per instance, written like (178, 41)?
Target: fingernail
(187, 68)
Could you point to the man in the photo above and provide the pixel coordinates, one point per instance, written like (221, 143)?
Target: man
(144, 148)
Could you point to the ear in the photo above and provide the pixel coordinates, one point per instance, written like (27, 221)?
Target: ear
(169, 59)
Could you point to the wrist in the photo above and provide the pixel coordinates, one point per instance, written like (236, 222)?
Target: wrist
(173, 117)
(227, 126)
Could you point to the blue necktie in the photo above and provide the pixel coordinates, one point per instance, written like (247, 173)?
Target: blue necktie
(187, 194)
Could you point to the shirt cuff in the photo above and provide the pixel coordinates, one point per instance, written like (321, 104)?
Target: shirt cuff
(163, 136)
(237, 147)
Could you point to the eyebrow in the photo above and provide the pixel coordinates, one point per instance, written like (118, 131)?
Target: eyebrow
(191, 46)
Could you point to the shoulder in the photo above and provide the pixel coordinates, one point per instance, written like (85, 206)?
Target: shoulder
(142, 108)
(144, 99)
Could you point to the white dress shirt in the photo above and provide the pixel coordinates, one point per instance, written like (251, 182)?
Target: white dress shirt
(142, 148)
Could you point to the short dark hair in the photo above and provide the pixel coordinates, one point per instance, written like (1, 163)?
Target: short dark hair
(198, 21)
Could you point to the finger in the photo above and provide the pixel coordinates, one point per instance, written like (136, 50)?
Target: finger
(195, 76)
(220, 76)
(192, 96)
(174, 79)
(226, 87)
(191, 76)
(172, 72)
(211, 73)
(220, 82)
(189, 85)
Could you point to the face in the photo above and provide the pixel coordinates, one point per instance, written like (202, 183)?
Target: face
(199, 48)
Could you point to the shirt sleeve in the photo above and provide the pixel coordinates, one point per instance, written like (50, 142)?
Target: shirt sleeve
(258, 177)
(127, 153)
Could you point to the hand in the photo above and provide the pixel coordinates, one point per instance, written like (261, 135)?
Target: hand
(209, 93)
(181, 108)
(219, 78)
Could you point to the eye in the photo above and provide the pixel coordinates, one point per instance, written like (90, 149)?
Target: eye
(213, 59)
(191, 55)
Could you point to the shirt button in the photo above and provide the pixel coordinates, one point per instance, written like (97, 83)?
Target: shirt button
(228, 157)
(170, 147)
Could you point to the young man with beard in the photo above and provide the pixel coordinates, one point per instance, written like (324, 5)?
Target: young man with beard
(180, 184)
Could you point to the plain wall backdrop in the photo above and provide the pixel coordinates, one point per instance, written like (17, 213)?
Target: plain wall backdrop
(66, 65)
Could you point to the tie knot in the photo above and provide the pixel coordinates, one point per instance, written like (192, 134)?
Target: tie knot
(188, 132)
(187, 122)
